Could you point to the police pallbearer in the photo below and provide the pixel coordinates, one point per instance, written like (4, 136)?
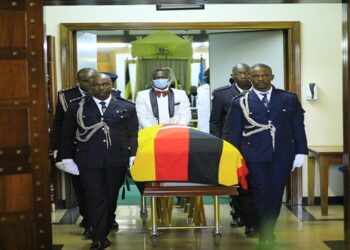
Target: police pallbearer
(105, 128)
(65, 97)
(242, 212)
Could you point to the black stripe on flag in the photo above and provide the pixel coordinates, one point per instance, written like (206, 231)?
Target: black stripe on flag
(204, 159)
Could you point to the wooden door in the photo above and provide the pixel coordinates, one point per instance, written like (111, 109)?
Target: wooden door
(24, 173)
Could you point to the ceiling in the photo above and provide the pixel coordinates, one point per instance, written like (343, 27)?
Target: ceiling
(135, 2)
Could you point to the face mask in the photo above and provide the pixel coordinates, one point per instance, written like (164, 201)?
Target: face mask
(160, 83)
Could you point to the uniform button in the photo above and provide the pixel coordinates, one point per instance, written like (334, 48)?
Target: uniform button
(77, 150)
(248, 143)
(268, 111)
(269, 121)
(121, 117)
(104, 140)
(103, 128)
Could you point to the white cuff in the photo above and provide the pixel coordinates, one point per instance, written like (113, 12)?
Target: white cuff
(131, 160)
(54, 154)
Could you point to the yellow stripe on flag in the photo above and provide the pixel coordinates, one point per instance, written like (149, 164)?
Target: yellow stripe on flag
(144, 165)
(230, 161)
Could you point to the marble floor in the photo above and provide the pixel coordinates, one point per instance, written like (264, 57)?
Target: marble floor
(298, 228)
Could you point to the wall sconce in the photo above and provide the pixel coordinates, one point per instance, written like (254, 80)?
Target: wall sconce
(180, 6)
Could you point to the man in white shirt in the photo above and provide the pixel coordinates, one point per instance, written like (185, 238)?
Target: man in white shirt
(161, 104)
(203, 103)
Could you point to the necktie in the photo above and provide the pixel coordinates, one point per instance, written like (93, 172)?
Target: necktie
(265, 100)
(103, 106)
(161, 93)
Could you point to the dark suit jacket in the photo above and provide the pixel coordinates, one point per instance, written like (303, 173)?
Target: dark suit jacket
(120, 116)
(285, 113)
(67, 96)
(221, 102)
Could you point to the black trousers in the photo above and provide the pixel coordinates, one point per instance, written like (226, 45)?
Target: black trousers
(267, 181)
(80, 192)
(102, 188)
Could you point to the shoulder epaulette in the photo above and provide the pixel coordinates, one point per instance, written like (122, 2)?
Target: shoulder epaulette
(116, 92)
(77, 99)
(238, 96)
(122, 99)
(68, 89)
(221, 89)
(285, 91)
(62, 100)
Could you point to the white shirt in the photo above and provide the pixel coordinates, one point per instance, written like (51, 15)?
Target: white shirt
(163, 110)
(242, 90)
(261, 94)
(182, 112)
(203, 107)
(97, 101)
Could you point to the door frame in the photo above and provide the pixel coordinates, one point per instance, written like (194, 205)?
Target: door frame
(291, 31)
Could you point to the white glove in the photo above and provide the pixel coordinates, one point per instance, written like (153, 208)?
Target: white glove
(69, 166)
(299, 161)
(131, 161)
(60, 165)
(54, 154)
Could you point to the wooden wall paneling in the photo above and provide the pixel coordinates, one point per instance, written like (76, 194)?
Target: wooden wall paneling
(292, 67)
(38, 109)
(24, 183)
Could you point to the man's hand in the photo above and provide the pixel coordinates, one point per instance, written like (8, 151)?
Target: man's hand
(68, 165)
(299, 161)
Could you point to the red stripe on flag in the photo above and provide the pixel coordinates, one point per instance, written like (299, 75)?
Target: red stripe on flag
(242, 173)
(172, 163)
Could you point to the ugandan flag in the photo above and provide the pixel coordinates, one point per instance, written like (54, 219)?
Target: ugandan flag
(180, 153)
(128, 92)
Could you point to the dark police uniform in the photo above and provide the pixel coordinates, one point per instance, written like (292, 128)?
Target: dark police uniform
(104, 157)
(269, 154)
(220, 104)
(64, 98)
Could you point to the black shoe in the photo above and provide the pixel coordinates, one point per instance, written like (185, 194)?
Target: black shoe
(99, 244)
(87, 233)
(251, 232)
(267, 243)
(237, 222)
(84, 223)
(114, 226)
